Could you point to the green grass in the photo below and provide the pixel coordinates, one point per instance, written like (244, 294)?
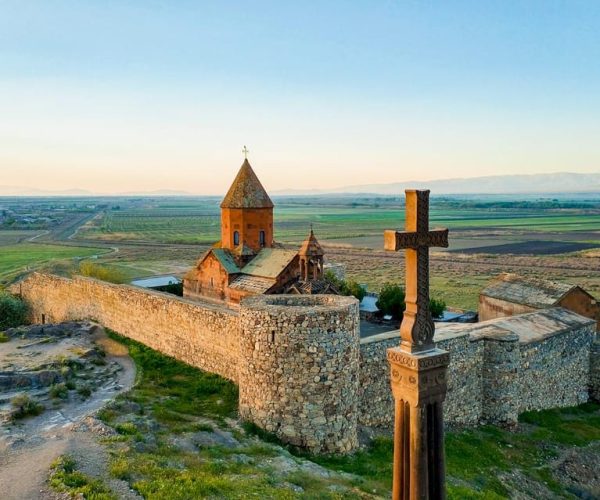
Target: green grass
(66, 478)
(18, 258)
(475, 457)
(182, 400)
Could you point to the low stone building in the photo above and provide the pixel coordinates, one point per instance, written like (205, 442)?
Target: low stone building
(511, 294)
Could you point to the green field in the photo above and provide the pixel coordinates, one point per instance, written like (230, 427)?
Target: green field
(15, 259)
(199, 222)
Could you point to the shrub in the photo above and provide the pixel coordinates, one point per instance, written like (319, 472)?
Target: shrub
(13, 311)
(59, 391)
(3, 337)
(392, 301)
(84, 391)
(25, 406)
(349, 287)
(98, 271)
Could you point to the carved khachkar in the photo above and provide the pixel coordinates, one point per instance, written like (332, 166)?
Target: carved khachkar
(418, 368)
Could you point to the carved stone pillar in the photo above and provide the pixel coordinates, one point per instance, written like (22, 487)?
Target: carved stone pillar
(419, 389)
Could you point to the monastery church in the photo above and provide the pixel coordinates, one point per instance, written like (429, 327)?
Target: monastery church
(247, 261)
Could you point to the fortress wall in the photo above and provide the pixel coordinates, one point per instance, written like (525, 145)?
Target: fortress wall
(595, 371)
(299, 369)
(555, 372)
(463, 404)
(201, 334)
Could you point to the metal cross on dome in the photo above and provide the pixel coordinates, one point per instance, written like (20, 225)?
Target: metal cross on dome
(417, 327)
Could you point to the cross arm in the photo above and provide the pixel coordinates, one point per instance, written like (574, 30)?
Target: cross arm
(398, 240)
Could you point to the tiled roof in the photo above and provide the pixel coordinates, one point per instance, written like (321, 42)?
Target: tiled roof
(270, 262)
(312, 287)
(526, 291)
(253, 284)
(226, 260)
(246, 191)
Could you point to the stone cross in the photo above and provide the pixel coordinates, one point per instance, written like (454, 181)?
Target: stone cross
(245, 151)
(417, 367)
(417, 325)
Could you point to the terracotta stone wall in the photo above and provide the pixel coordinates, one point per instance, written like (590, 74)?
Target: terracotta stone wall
(463, 405)
(580, 302)
(201, 334)
(248, 222)
(491, 308)
(211, 281)
(299, 369)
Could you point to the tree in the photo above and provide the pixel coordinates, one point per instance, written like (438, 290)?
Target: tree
(13, 311)
(349, 287)
(392, 301)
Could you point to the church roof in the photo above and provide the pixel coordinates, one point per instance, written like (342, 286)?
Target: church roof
(311, 246)
(246, 191)
(253, 284)
(226, 260)
(270, 262)
(527, 291)
(312, 287)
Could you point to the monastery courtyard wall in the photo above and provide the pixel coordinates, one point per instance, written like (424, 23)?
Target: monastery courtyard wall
(498, 368)
(305, 375)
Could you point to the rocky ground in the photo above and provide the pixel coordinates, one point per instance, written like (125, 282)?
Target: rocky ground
(53, 378)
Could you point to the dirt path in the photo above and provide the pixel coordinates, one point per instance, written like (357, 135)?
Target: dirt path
(28, 450)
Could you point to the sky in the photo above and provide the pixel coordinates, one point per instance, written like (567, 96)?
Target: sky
(122, 95)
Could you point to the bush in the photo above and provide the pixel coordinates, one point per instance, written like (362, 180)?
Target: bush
(59, 391)
(13, 311)
(3, 337)
(84, 391)
(25, 406)
(392, 301)
(104, 273)
(349, 287)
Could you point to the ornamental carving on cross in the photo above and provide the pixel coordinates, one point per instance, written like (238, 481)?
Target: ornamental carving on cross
(417, 326)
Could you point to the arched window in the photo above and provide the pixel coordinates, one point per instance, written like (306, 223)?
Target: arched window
(236, 238)
(262, 238)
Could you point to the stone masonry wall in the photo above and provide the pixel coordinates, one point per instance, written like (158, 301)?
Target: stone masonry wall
(555, 372)
(498, 368)
(201, 334)
(299, 369)
(463, 399)
(595, 371)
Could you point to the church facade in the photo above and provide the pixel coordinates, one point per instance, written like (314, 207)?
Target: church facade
(247, 260)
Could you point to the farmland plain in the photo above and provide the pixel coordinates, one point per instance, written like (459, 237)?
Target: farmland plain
(555, 238)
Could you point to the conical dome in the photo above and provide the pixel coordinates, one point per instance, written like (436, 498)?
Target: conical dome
(311, 246)
(246, 191)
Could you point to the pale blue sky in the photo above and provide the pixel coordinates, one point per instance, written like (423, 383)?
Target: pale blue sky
(136, 95)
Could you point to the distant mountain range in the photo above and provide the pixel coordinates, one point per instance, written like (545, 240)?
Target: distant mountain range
(25, 191)
(563, 182)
